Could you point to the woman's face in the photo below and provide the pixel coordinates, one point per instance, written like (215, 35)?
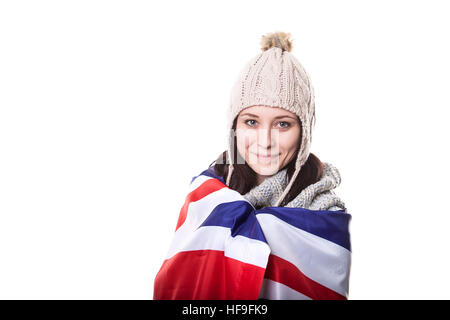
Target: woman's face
(267, 138)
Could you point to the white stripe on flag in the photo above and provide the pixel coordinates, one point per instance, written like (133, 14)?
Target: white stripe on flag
(319, 259)
(219, 238)
(273, 290)
(199, 210)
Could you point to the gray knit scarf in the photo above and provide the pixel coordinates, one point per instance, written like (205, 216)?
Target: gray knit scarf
(317, 196)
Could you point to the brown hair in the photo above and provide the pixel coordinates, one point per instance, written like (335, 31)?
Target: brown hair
(243, 178)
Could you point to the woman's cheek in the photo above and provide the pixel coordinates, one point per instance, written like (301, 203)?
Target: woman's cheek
(243, 141)
(240, 140)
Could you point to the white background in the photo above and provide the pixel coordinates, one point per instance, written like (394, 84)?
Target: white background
(109, 108)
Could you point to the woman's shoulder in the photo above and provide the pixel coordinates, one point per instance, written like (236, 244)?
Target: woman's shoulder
(210, 173)
(325, 197)
(327, 200)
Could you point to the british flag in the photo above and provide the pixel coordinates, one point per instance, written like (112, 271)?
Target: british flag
(225, 249)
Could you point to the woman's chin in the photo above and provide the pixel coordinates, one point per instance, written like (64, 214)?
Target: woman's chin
(266, 170)
(264, 167)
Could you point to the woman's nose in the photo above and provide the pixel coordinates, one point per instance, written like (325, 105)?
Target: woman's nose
(267, 138)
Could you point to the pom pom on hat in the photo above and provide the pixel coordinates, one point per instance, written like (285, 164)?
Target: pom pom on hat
(276, 39)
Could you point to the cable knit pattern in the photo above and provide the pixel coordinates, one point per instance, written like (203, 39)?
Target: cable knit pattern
(317, 196)
(267, 193)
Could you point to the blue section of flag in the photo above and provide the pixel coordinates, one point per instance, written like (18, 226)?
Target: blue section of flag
(239, 216)
(330, 225)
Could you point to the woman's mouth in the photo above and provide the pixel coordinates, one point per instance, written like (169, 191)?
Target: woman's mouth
(266, 158)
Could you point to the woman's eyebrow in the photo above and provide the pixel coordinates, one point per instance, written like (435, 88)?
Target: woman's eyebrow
(256, 116)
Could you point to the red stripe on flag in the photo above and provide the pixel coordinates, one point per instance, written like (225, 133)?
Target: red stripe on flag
(207, 275)
(207, 187)
(284, 272)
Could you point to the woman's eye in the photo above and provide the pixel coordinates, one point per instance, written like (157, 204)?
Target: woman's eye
(247, 122)
(287, 124)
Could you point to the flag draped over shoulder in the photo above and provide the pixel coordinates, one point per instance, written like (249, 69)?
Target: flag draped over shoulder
(225, 249)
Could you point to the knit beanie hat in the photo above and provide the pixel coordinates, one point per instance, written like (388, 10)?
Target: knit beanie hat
(274, 78)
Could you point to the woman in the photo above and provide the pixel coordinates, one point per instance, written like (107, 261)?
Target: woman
(264, 221)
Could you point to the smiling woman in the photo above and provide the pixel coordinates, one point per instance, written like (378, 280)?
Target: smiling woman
(263, 221)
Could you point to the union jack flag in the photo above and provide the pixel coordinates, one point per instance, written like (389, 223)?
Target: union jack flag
(224, 249)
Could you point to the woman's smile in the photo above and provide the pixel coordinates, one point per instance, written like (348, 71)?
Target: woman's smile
(267, 159)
